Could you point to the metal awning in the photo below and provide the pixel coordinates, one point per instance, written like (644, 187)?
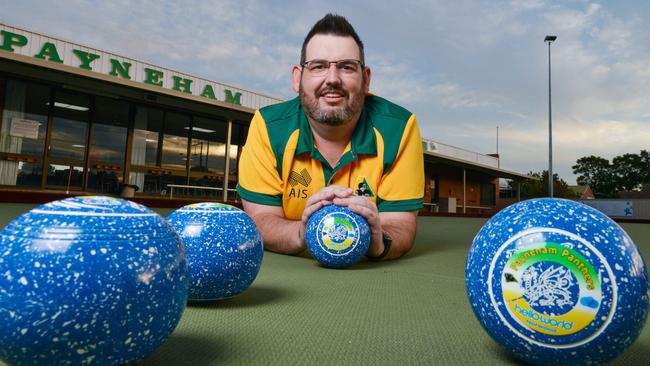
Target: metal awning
(432, 157)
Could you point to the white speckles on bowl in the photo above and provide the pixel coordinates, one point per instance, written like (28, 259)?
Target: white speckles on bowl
(557, 283)
(223, 246)
(89, 280)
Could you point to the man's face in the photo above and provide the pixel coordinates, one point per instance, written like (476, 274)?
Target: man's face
(336, 96)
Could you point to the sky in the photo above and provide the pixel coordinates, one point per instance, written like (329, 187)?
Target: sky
(466, 68)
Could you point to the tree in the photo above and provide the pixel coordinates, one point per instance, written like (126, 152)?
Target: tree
(645, 161)
(596, 172)
(628, 172)
(539, 187)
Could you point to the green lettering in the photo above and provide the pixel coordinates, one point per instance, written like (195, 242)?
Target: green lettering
(179, 83)
(233, 99)
(12, 39)
(153, 77)
(86, 58)
(208, 92)
(120, 67)
(49, 52)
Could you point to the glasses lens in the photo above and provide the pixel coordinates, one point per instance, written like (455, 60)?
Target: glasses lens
(320, 67)
(348, 66)
(317, 67)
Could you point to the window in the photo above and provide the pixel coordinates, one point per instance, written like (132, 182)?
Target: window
(146, 135)
(237, 140)
(22, 137)
(174, 147)
(159, 154)
(108, 145)
(207, 153)
(68, 140)
(68, 176)
(69, 126)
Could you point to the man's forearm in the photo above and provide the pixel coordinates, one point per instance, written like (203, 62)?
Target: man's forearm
(402, 240)
(401, 228)
(280, 235)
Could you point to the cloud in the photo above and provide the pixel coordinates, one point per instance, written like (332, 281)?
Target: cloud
(453, 96)
(607, 137)
(463, 67)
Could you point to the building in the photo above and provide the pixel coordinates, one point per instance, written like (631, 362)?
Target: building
(643, 193)
(78, 120)
(583, 192)
(463, 181)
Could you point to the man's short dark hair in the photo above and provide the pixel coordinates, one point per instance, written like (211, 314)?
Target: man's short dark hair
(335, 25)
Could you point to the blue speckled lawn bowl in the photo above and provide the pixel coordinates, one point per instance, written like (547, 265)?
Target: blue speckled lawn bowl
(557, 283)
(89, 280)
(224, 249)
(337, 237)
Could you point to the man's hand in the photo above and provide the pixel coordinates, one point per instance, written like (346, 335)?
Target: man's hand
(324, 197)
(286, 236)
(363, 206)
(399, 225)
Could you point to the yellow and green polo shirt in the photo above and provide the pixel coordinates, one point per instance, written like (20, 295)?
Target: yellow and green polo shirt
(280, 166)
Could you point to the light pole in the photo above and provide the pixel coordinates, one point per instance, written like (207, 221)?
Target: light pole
(497, 139)
(549, 40)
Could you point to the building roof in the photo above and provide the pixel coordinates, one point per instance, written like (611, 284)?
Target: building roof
(495, 172)
(580, 189)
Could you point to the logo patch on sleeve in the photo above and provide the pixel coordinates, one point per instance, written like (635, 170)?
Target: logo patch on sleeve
(363, 188)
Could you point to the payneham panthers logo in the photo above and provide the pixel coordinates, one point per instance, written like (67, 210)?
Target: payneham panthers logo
(552, 287)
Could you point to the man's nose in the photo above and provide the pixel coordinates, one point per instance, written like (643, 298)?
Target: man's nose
(333, 75)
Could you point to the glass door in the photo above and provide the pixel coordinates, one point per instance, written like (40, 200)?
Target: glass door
(108, 145)
(207, 156)
(67, 143)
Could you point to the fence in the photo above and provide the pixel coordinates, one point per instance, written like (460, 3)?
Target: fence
(637, 208)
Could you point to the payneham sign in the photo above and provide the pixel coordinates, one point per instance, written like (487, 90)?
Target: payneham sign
(51, 49)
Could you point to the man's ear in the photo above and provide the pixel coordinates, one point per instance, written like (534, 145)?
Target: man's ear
(366, 79)
(296, 73)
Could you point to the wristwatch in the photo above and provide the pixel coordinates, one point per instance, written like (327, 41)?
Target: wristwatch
(387, 242)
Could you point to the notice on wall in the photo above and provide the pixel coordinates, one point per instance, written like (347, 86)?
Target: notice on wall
(24, 128)
(615, 208)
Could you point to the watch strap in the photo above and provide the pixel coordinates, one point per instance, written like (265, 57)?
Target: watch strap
(387, 243)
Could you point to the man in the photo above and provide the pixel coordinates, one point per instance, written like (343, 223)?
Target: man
(334, 144)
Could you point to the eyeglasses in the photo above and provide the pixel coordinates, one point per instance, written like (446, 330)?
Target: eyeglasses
(345, 67)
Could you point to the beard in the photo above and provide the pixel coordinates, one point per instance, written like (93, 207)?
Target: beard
(334, 116)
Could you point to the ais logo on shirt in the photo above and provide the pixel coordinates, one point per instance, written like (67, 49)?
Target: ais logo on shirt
(296, 180)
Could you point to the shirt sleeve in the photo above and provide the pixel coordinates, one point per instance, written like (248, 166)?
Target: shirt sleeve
(402, 187)
(259, 181)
